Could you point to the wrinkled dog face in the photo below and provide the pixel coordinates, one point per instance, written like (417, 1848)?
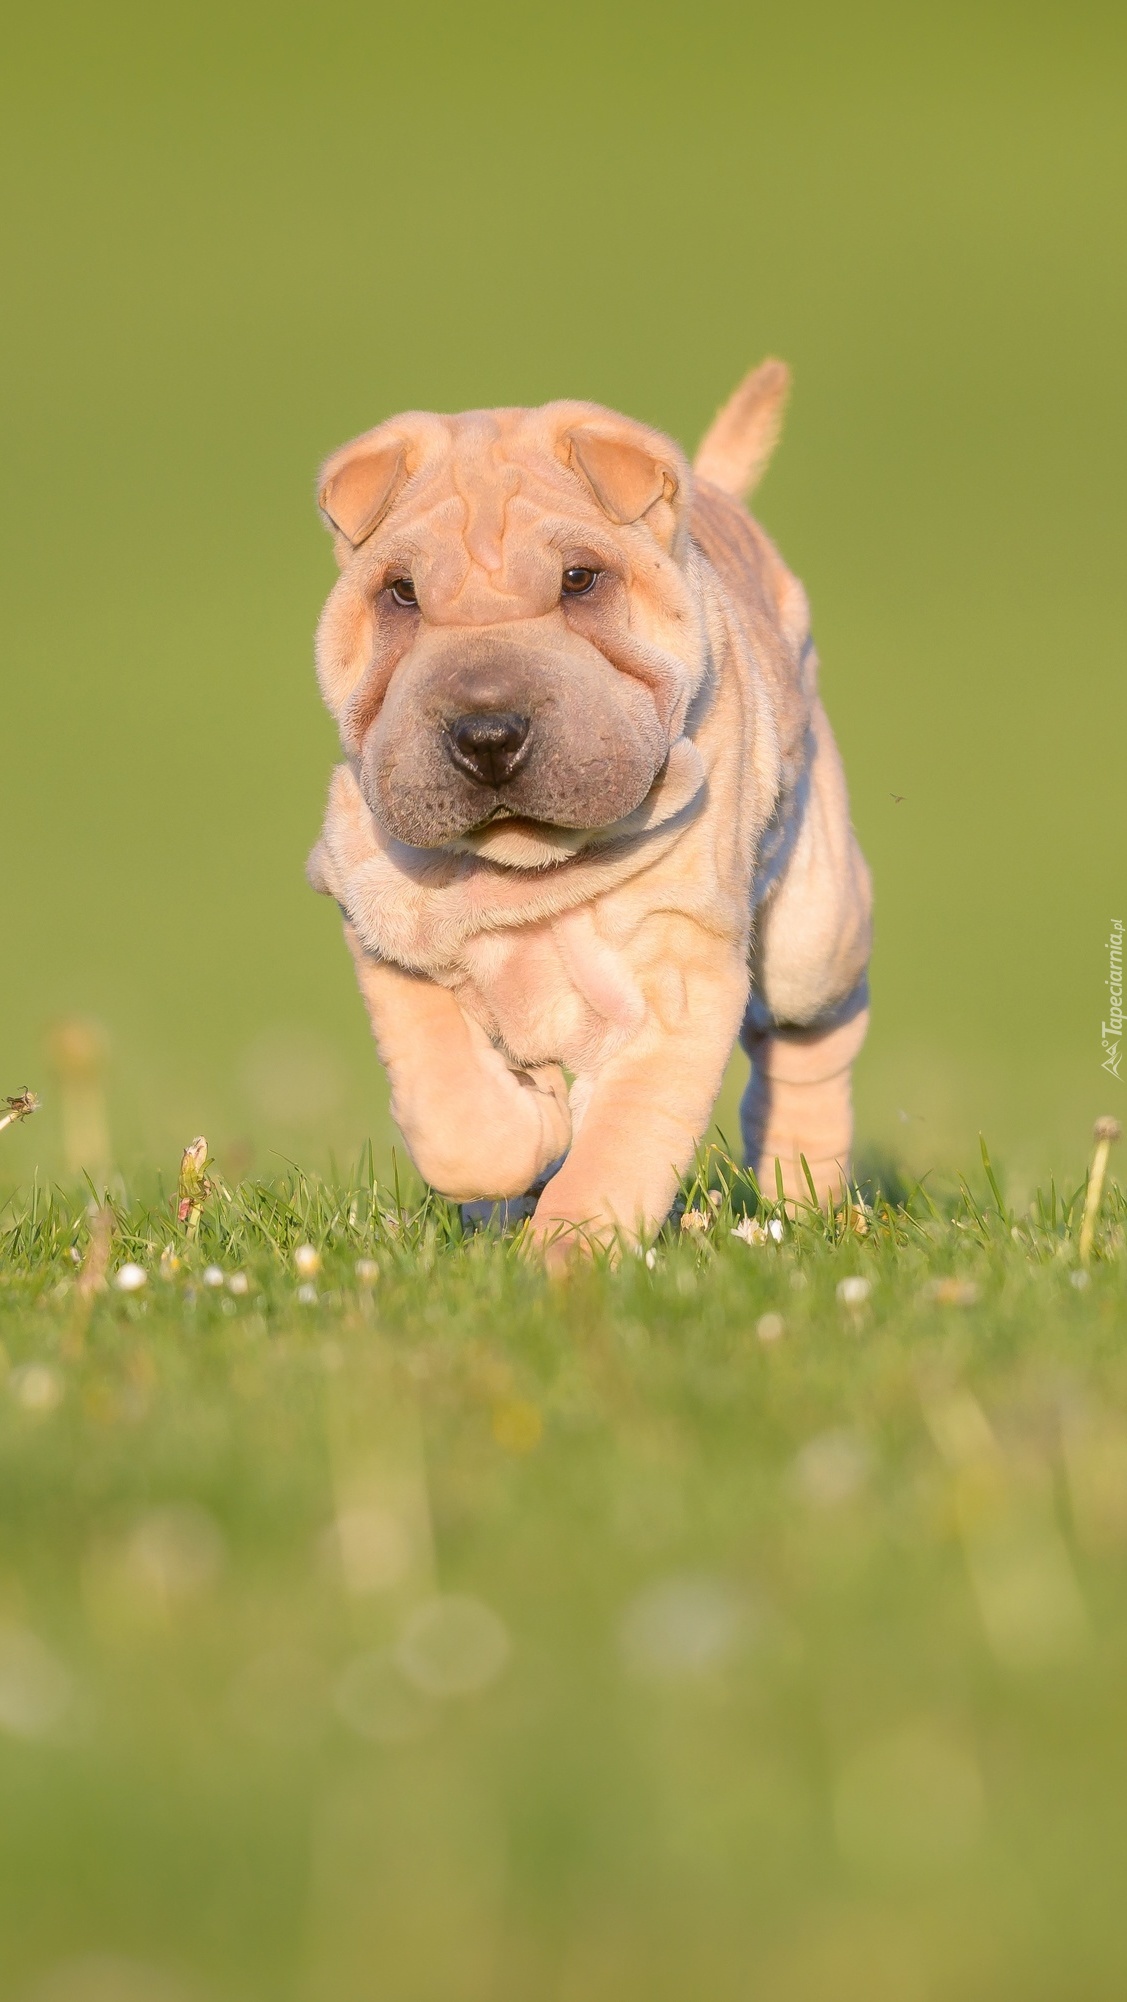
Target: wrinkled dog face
(513, 641)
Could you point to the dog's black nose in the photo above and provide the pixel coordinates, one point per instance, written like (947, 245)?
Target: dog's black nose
(489, 745)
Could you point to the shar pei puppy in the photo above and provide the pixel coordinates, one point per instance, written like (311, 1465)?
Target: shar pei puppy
(591, 824)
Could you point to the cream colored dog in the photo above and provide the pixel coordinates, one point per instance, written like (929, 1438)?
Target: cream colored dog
(592, 818)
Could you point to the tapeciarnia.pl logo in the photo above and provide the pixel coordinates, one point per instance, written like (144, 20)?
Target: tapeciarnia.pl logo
(1113, 1029)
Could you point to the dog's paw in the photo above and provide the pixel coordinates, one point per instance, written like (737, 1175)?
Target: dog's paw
(560, 1248)
(564, 1237)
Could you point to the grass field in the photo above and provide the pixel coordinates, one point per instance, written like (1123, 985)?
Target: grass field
(382, 1622)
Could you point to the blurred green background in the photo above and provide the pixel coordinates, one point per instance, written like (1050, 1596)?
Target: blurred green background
(238, 234)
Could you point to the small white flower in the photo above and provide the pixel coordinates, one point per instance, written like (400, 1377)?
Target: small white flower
(854, 1291)
(683, 1628)
(452, 1646)
(307, 1295)
(130, 1278)
(212, 1275)
(35, 1689)
(367, 1271)
(749, 1231)
(769, 1327)
(695, 1220)
(651, 1259)
(37, 1387)
(307, 1259)
(832, 1468)
(776, 1230)
(1080, 1279)
(716, 1199)
(238, 1283)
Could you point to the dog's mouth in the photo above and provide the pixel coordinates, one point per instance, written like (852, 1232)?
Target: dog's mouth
(503, 811)
(516, 840)
(517, 821)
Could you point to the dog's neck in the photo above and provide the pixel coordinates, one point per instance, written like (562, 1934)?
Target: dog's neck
(418, 907)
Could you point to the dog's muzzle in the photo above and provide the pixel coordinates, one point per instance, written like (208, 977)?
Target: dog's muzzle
(490, 746)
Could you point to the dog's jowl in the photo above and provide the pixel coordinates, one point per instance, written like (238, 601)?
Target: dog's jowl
(591, 819)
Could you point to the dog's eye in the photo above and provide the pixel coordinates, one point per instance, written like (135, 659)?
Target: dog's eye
(403, 591)
(577, 580)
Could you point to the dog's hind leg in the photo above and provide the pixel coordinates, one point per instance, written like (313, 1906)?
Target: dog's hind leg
(810, 998)
(798, 1104)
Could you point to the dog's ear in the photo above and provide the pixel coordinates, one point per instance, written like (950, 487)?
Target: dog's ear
(738, 444)
(359, 483)
(626, 471)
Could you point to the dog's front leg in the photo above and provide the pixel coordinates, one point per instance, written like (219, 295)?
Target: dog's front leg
(646, 1110)
(474, 1127)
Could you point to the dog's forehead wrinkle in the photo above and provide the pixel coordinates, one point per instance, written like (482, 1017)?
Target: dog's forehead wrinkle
(484, 484)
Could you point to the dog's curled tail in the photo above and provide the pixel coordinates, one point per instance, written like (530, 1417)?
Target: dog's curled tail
(734, 451)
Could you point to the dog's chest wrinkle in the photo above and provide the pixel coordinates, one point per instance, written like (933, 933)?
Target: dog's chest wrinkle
(597, 972)
(554, 992)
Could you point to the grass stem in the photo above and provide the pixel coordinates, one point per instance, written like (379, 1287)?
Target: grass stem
(1105, 1133)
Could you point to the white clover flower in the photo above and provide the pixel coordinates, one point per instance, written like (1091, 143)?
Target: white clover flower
(749, 1231)
(130, 1278)
(832, 1468)
(238, 1283)
(35, 1689)
(854, 1291)
(684, 1627)
(37, 1387)
(452, 1646)
(307, 1259)
(212, 1275)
